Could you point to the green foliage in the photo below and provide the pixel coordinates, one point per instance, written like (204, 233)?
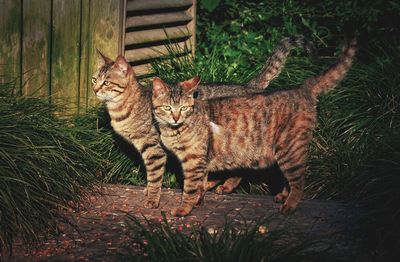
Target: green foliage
(209, 5)
(46, 167)
(160, 241)
(358, 123)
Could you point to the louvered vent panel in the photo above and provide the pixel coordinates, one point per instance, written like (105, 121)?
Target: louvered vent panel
(150, 25)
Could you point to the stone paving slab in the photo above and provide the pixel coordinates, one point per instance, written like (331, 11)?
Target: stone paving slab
(102, 227)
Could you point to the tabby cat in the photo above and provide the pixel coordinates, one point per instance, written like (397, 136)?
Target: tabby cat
(129, 106)
(242, 132)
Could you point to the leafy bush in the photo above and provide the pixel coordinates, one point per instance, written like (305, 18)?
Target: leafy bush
(47, 165)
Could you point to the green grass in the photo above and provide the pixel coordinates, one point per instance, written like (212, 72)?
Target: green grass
(47, 165)
(161, 241)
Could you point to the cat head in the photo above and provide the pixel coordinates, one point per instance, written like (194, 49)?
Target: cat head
(174, 104)
(111, 77)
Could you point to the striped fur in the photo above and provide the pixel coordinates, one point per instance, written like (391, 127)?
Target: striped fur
(242, 132)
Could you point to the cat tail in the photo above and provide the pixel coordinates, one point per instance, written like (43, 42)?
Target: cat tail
(331, 77)
(276, 61)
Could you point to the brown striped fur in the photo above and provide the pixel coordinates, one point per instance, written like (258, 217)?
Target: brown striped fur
(242, 132)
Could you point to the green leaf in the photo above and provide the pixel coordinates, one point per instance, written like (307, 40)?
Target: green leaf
(210, 5)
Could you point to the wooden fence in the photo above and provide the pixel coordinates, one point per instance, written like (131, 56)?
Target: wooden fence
(48, 47)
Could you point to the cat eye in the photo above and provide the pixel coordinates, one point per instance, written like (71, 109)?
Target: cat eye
(167, 108)
(94, 80)
(184, 108)
(106, 83)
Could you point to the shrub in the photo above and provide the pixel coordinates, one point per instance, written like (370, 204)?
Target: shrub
(47, 165)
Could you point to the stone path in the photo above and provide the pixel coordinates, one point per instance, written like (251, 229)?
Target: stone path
(102, 228)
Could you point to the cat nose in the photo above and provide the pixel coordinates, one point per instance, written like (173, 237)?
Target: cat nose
(96, 89)
(175, 117)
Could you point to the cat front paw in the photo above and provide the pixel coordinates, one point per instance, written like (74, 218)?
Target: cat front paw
(280, 198)
(287, 209)
(151, 203)
(181, 211)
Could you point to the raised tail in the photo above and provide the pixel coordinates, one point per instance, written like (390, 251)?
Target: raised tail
(275, 63)
(331, 77)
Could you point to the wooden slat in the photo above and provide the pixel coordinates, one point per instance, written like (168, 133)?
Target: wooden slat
(36, 47)
(156, 51)
(105, 23)
(192, 26)
(122, 26)
(84, 56)
(138, 5)
(147, 36)
(65, 51)
(142, 69)
(156, 19)
(10, 48)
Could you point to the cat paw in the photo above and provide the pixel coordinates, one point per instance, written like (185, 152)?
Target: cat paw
(286, 209)
(145, 191)
(151, 204)
(181, 211)
(211, 184)
(221, 189)
(280, 198)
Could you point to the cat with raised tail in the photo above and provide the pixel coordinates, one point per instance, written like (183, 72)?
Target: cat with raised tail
(253, 131)
(129, 106)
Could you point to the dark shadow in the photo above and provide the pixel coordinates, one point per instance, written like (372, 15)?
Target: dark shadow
(124, 146)
(271, 176)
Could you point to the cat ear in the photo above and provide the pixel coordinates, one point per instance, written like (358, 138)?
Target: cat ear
(102, 59)
(190, 85)
(121, 65)
(159, 87)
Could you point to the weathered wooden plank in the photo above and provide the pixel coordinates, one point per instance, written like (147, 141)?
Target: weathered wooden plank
(192, 26)
(156, 19)
(84, 81)
(36, 47)
(143, 69)
(105, 35)
(153, 35)
(156, 51)
(10, 48)
(65, 52)
(123, 26)
(138, 5)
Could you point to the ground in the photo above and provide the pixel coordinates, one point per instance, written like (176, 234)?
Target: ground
(101, 229)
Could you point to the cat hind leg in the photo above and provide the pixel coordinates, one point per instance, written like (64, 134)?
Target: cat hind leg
(229, 185)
